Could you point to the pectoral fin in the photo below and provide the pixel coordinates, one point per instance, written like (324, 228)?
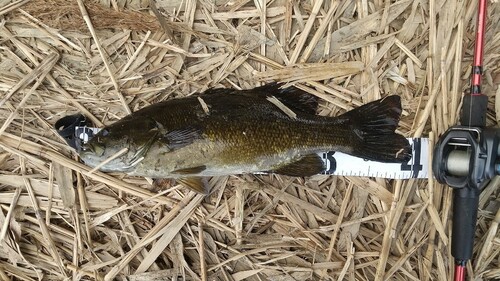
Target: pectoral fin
(197, 184)
(182, 137)
(308, 165)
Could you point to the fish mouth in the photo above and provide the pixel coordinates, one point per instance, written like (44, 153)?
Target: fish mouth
(89, 158)
(112, 159)
(115, 165)
(94, 155)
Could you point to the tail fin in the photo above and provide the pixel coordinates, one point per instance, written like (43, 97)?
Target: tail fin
(374, 123)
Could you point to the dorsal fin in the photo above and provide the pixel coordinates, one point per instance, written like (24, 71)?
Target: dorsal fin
(220, 91)
(294, 98)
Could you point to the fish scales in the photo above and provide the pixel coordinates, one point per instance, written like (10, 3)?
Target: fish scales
(246, 135)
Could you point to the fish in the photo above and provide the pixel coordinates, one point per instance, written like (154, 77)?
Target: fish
(226, 132)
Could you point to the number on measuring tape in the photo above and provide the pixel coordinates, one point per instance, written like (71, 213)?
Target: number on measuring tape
(414, 164)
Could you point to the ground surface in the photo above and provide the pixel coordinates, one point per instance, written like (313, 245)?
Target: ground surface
(61, 221)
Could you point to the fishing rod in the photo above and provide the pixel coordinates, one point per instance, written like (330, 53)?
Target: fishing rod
(466, 157)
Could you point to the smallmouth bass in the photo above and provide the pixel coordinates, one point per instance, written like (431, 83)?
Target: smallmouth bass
(226, 131)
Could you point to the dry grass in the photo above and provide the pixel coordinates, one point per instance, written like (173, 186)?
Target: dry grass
(60, 220)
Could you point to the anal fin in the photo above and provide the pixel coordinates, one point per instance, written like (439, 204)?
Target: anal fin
(306, 166)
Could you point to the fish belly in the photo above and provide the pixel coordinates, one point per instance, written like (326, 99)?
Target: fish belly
(208, 159)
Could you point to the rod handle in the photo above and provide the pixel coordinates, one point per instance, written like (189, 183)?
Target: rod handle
(465, 205)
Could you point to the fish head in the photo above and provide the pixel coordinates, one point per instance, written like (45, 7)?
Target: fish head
(120, 146)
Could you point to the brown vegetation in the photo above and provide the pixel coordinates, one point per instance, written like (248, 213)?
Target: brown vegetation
(106, 59)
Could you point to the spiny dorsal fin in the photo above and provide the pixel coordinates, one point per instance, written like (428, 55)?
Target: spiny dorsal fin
(294, 98)
(220, 91)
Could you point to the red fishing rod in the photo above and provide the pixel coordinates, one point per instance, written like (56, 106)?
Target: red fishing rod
(479, 50)
(466, 158)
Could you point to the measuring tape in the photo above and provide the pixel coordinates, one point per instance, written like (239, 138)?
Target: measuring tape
(342, 164)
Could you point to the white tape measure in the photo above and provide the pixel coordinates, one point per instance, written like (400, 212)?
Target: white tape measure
(342, 164)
